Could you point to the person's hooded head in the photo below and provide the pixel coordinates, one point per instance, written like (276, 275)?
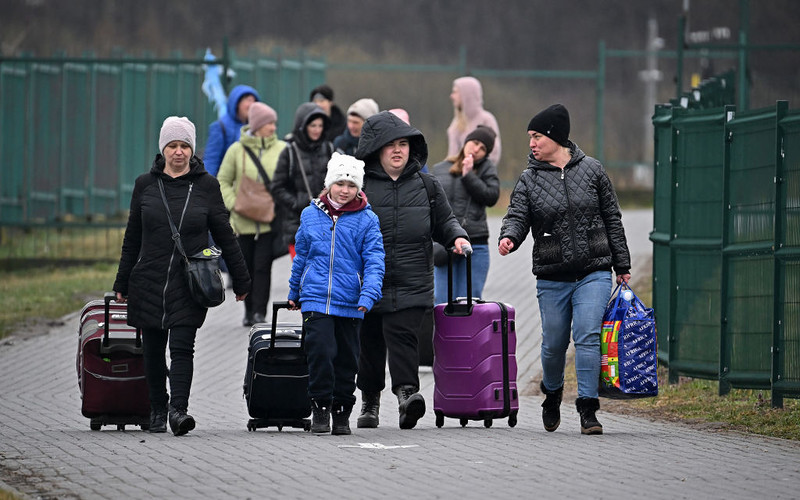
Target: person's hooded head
(470, 95)
(307, 120)
(384, 128)
(238, 93)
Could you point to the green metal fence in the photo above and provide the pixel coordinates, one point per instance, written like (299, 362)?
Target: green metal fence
(76, 132)
(726, 240)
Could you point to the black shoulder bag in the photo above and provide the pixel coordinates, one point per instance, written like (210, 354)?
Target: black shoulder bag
(202, 269)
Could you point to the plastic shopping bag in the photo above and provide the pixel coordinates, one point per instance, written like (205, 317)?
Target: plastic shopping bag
(628, 346)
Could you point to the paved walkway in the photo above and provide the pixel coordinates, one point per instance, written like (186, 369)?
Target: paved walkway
(47, 450)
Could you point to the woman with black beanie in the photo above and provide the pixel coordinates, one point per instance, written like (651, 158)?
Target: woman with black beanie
(566, 201)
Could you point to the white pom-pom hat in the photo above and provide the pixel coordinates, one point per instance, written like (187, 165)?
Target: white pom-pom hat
(345, 168)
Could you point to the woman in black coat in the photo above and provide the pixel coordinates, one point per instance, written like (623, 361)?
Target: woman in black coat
(306, 149)
(411, 217)
(151, 276)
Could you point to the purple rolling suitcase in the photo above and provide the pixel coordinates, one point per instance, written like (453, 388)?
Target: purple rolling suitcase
(474, 364)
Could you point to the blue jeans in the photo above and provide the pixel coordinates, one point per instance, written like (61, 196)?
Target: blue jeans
(581, 305)
(480, 269)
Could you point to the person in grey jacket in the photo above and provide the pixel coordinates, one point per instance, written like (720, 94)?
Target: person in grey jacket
(394, 153)
(471, 183)
(566, 201)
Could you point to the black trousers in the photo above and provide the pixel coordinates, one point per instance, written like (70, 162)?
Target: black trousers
(257, 252)
(332, 347)
(181, 353)
(398, 333)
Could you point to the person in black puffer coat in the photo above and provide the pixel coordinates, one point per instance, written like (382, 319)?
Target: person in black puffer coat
(306, 148)
(566, 201)
(394, 153)
(471, 183)
(151, 276)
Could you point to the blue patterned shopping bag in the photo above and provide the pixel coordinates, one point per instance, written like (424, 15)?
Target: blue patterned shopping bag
(628, 347)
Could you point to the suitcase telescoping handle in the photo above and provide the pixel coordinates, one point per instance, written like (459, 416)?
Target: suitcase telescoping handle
(454, 308)
(277, 306)
(108, 297)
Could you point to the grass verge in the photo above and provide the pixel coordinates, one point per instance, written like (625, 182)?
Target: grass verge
(32, 297)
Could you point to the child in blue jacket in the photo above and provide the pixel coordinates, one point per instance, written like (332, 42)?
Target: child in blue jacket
(337, 276)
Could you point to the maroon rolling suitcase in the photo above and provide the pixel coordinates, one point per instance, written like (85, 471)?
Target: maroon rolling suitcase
(474, 364)
(111, 367)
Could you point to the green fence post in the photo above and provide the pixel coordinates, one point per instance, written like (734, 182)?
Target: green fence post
(462, 60)
(600, 94)
(725, 346)
(779, 290)
(744, 21)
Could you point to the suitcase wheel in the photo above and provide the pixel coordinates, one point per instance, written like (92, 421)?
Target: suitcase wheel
(95, 424)
(487, 423)
(280, 427)
(464, 422)
(121, 427)
(251, 426)
(439, 419)
(307, 425)
(512, 419)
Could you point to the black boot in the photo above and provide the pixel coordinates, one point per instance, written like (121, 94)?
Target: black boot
(341, 419)
(370, 406)
(551, 413)
(158, 420)
(320, 416)
(180, 422)
(411, 405)
(587, 408)
(247, 320)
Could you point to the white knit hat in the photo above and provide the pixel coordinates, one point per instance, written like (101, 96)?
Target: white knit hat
(363, 108)
(176, 128)
(344, 168)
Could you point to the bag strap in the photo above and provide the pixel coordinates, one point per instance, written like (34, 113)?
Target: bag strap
(260, 168)
(302, 171)
(224, 131)
(431, 190)
(176, 236)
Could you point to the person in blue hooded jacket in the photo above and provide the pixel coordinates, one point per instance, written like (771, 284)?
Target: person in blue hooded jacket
(225, 131)
(337, 275)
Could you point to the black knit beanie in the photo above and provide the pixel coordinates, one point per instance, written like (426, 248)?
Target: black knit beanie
(324, 90)
(552, 122)
(483, 134)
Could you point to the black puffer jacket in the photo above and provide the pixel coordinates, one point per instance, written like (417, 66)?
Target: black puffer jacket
(404, 211)
(288, 187)
(573, 215)
(150, 271)
(470, 194)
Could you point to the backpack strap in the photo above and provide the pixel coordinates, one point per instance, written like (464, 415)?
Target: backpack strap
(431, 190)
(224, 132)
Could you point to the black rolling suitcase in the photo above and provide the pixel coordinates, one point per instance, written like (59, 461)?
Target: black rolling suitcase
(276, 378)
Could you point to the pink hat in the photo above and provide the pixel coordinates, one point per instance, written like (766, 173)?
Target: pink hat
(259, 115)
(402, 114)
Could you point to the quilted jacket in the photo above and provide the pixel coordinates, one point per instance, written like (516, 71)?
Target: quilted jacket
(574, 217)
